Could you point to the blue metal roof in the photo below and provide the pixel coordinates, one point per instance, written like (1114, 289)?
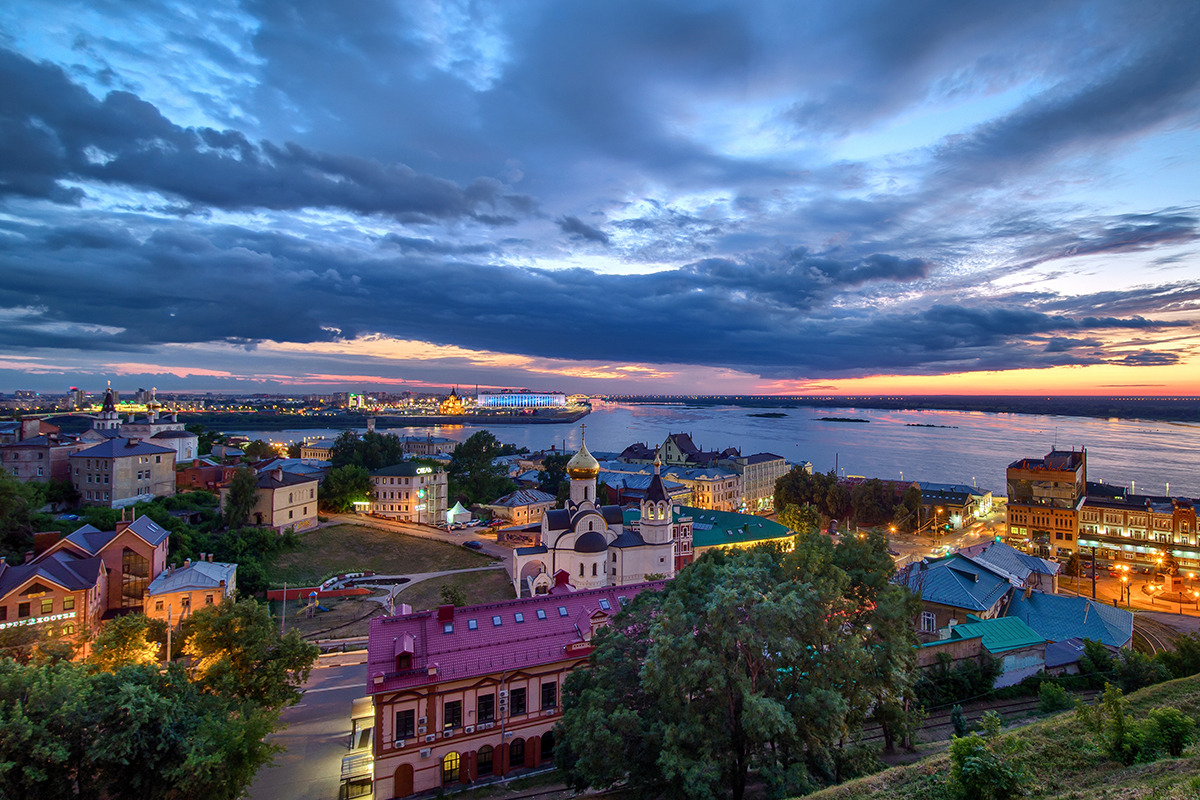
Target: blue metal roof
(955, 581)
(1059, 617)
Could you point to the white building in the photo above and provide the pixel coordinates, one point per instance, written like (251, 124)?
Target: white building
(586, 546)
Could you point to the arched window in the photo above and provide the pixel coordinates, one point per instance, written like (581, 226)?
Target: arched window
(450, 768)
(581, 570)
(516, 754)
(585, 493)
(547, 745)
(593, 569)
(485, 760)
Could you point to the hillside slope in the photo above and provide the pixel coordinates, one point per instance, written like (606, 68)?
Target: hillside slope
(1062, 760)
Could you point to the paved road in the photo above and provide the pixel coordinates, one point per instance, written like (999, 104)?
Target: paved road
(316, 738)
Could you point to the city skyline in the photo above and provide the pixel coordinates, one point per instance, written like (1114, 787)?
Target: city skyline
(718, 199)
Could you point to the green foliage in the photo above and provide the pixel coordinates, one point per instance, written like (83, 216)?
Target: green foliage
(243, 492)
(237, 652)
(981, 770)
(945, 683)
(553, 472)
(1174, 730)
(801, 519)
(19, 503)
(1184, 660)
(957, 721)
(1052, 697)
(472, 475)
(206, 438)
(343, 486)
(258, 450)
(907, 515)
(371, 451)
(871, 502)
(757, 658)
(122, 642)
(452, 595)
(1134, 670)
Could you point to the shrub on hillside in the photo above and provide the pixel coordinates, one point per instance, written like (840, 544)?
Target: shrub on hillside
(982, 770)
(1052, 697)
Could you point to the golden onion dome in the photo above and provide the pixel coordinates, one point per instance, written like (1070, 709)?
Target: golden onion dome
(583, 465)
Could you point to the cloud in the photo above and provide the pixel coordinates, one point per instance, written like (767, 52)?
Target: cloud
(52, 131)
(1149, 358)
(574, 227)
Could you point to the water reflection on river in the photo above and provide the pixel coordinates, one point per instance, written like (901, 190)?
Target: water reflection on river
(974, 447)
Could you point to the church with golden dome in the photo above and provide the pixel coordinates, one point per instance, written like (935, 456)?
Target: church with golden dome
(453, 405)
(585, 545)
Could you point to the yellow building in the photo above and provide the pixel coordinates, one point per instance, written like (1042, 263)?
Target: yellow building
(452, 405)
(283, 500)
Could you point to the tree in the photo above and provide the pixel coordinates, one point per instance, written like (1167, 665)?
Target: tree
(206, 438)
(124, 641)
(1174, 729)
(343, 486)
(237, 652)
(293, 449)
(243, 494)
(981, 770)
(258, 450)
(452, 595)
(371, 450)
(958, 721)
(801, 519)
(472, 474)
(1074, 567)
(762, 657)
(553, 472)
(907, 515)
(19, 503)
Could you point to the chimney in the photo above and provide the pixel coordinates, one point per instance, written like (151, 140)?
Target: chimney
(187, 562)
(201, 556)
(210, 558)
(44, 541)
(122, 525)
(445, 613)
(277, 474)
(29, 557)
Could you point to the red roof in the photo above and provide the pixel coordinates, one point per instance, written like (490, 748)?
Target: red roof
(468, 652)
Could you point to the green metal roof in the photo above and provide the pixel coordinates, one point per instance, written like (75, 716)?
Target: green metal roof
(717, 528)
(999, 635)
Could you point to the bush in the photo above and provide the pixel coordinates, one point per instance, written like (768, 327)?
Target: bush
(944, 684)
(1053, 697)
(1173, 730)
(957, 720)
(979, 772)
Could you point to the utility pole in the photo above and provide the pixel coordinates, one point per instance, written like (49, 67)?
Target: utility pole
(1093, 572)
(283, 611)
(168, 634)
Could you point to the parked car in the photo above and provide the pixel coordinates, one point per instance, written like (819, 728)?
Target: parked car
(473, 544)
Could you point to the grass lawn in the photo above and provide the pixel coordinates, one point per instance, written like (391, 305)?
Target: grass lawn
(347, 616)
(479, 587)
(1063, 760)
(338, 549)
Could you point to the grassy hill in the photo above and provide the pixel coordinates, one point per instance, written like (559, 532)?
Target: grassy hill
(1063, 760)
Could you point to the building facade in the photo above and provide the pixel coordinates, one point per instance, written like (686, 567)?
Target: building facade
(176, 593)
(1141, 529)
(121, 472)
(521, 400)
(523, 506)
(134, 554)
(62, 594)
(465, 695)
(319, 450)
(587, 545)
(1045, 496)
(410, 492)
(283, 500)
(757, 475)
(39, 458)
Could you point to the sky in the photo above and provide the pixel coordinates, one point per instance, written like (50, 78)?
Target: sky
(612, 197)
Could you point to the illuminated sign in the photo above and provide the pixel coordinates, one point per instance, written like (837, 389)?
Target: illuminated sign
(424, 470)
(421, 507)
(37, 620)
(420, 492)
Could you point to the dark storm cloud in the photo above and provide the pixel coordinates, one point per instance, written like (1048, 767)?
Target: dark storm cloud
(769, 312)
(416, 245)
(576, 228)
(52, 130)
(1149, 358)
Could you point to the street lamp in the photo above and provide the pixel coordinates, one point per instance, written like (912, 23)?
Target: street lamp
(1125, 590)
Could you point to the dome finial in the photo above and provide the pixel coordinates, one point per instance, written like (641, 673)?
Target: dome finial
(583, 465)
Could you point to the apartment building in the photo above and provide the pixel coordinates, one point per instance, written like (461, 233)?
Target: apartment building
(409, 492)
(120, 472)
(1045, 496)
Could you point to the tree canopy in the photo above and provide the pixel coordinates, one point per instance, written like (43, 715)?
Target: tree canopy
(344, 485)
(473, 477)
(371, 450)
(764, 660)
(243, 492)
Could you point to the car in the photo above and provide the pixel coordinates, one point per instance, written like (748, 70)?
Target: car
(893, 552)
(474, 544)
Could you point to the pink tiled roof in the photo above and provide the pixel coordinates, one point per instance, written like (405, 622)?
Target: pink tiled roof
(467, 653)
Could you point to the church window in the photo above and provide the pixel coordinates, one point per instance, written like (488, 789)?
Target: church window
(593, 569)
(581, 570)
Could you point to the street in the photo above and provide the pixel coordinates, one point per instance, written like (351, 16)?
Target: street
(317, 734)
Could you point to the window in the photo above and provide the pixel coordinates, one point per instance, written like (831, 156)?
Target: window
(289, 497)
(3, 612)
(135, 577)
(928, 622)
(562, 611)
(452, 714)
(185, 603)
(516, 753)
(516, 702)
(593, 569)
(485, 709)
(450, 768)
(23, 610)
(289, 514)
(496, 621)
(448, 627)
(48, 605)
(69, 603)
(472, 625)
(549, 695)
(605, 604)
(406, 724)
(312, 493)
(403, 661)
(519, 617)
(581, 570)
(541, 613)
(158, 605)
(306, 511)
(484, 763)
(68, 629)
(158, 459)
(623, 600)
(208, 599)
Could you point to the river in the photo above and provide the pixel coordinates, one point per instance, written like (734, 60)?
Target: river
(972, 448)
